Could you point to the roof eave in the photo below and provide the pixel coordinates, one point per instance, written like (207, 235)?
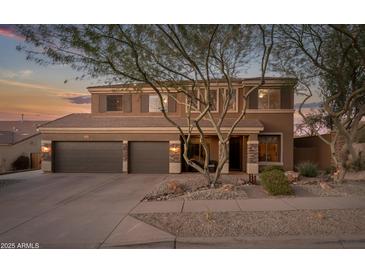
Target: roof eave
(159, 130)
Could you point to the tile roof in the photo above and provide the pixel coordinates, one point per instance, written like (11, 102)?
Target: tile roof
(15, 131)
(86, 120)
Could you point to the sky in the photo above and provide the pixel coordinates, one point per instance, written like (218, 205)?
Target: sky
(39, 92)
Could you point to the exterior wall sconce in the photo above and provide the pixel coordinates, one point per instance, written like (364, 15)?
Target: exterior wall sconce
(46, 149)
(174, 149)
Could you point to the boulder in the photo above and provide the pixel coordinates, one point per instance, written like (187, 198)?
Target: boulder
(175, 187)
(292, 176)
(227, 187)
(325, 186)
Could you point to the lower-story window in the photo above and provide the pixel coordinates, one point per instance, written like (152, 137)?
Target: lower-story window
(269, 148)
(196, 152)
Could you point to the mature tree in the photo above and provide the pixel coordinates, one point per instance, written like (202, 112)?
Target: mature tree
(314, 123)
(331, 60)
(171, 59)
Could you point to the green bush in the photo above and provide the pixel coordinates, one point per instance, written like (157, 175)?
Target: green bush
(308, 169)
(275, 182)
(22, 162)
(270, 168)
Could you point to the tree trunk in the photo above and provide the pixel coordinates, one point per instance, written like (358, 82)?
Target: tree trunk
(339, 175)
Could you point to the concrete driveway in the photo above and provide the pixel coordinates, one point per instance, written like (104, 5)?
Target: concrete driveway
(68, 210)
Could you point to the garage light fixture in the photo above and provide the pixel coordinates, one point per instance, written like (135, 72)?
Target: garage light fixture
(174, 149)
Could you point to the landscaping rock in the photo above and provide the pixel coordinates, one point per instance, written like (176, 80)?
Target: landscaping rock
(227, 187)
(292, 176)
(175, 187)
(325, 186)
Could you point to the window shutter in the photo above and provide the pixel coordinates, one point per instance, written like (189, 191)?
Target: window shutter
(171, 103)
(253, 100)
(144, 102)
(102, 103)
(127, 102)
(286, 101)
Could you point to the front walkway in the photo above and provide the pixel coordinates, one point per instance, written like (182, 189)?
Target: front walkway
(271, 204)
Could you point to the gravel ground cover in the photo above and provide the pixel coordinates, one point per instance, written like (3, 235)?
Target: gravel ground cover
(222, 193)
(192, 186)
(259, 223)
(343, 190)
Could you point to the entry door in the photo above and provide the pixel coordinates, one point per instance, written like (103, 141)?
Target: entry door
(235, 153)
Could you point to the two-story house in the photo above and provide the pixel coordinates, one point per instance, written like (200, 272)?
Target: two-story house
(126, 132)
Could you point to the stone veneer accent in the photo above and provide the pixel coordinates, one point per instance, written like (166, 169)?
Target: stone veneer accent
(253, 154)
(125, 156)
(46, 156)
(175, 156)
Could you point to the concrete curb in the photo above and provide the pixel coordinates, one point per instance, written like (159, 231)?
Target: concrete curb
(291, 242)
(146, 245)
(283, 242)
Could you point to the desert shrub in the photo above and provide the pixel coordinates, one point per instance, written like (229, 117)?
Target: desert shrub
(22, 162)
(308, 169)
(275, 182)
(269, 168)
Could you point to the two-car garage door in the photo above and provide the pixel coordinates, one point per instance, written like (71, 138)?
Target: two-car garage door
(88, 157)
(144, 157)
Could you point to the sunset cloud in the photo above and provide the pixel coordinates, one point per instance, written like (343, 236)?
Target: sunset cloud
(58, 91)
(80, 100)
(9, 32)
(10, 74)
(39, 100)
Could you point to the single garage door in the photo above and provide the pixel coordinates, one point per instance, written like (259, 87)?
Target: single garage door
(88, 157)
(148, 157)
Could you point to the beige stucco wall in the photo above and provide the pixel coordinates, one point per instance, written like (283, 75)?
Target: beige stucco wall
(109, 137)
(312, 149)
(279, 123)
(96, 102)
(9, 153)
(136, 107)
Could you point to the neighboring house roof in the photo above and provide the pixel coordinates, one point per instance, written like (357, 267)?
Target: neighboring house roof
(85, 120)
(15, 131)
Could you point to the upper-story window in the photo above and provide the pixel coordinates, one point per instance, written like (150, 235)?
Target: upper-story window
(269, 98)
(197, 100)
(114, 103)
(214, 100)
(233, 102)
(154, 104)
